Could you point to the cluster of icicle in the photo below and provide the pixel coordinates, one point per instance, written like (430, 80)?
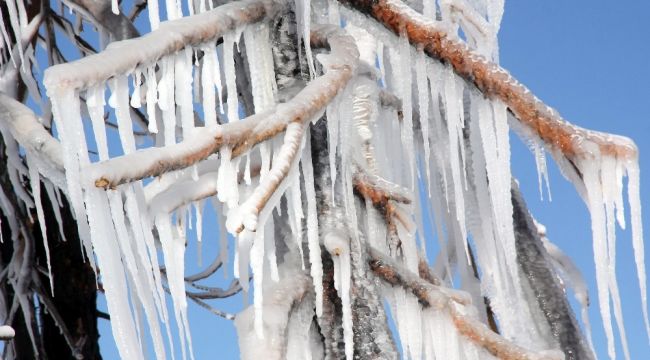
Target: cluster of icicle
(461, 184)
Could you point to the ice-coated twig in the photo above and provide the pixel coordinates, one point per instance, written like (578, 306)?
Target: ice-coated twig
(7, 332)
(29, 132)
(242, 135)
(217, 293)
(494, 343)
(445, 299)
(427, 293)
(123, 56)
(223, 314)
(492, 80)
(379, 190)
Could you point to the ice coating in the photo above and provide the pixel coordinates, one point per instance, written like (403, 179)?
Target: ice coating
(469, 192)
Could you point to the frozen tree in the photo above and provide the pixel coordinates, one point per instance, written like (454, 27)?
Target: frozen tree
(323, 134)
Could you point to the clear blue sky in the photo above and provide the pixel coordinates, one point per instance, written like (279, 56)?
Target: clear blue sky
(589, 60)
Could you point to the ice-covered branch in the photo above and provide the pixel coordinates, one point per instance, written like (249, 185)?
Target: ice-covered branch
(7, 332)
(450, 300)
(428, 294)
(29, 132)
(172, 36)
(242, 135)
(492, 80)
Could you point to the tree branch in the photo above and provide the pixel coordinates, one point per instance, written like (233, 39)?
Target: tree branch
(124, 56)
(492, 80)
(240, 135)
(446, 299)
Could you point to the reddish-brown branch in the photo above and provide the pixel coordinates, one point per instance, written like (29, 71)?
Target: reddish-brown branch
(492, 80)
(445, 299)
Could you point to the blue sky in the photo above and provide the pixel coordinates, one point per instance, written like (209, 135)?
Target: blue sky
(589, 60)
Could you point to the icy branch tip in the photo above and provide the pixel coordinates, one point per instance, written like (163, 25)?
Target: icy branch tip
(7, 332)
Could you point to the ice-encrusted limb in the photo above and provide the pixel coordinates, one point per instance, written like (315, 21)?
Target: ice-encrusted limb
(240, 135)
(280, 299)
(123, 56)
(29, 132)
(534, 264)
(451, 300)
(282, 164)
(7, 332)
(428, 294)
(492, 80)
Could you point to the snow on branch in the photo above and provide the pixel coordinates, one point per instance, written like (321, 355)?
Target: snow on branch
(492, 80)
(242, 135)
(124, 56)
(441, 298)
(29, 132)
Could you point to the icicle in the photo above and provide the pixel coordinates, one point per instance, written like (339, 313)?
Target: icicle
(594, 199)
(453, 108)
(174, 250)
(229, 40)
(257, 265)
(269, 238)
(166, 100)
(228, 189)
(151, 98)
(183, 89)
(95, 102)
(423, 105)
(207, 84)
(401, 64)
(260, 64)
(120, 92)
(66, 111)
(316, 266)
(173, 9)
(609, 184)
(303, 11)
(198, 205)
(108, 255)
(296, 196)
(35, 182)
(338, 247)
(542, 170)
(56, 204)
(634, 198)
(130, 245)
(15, 26)
(136, 96)
(333, 124)
(154, 14)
